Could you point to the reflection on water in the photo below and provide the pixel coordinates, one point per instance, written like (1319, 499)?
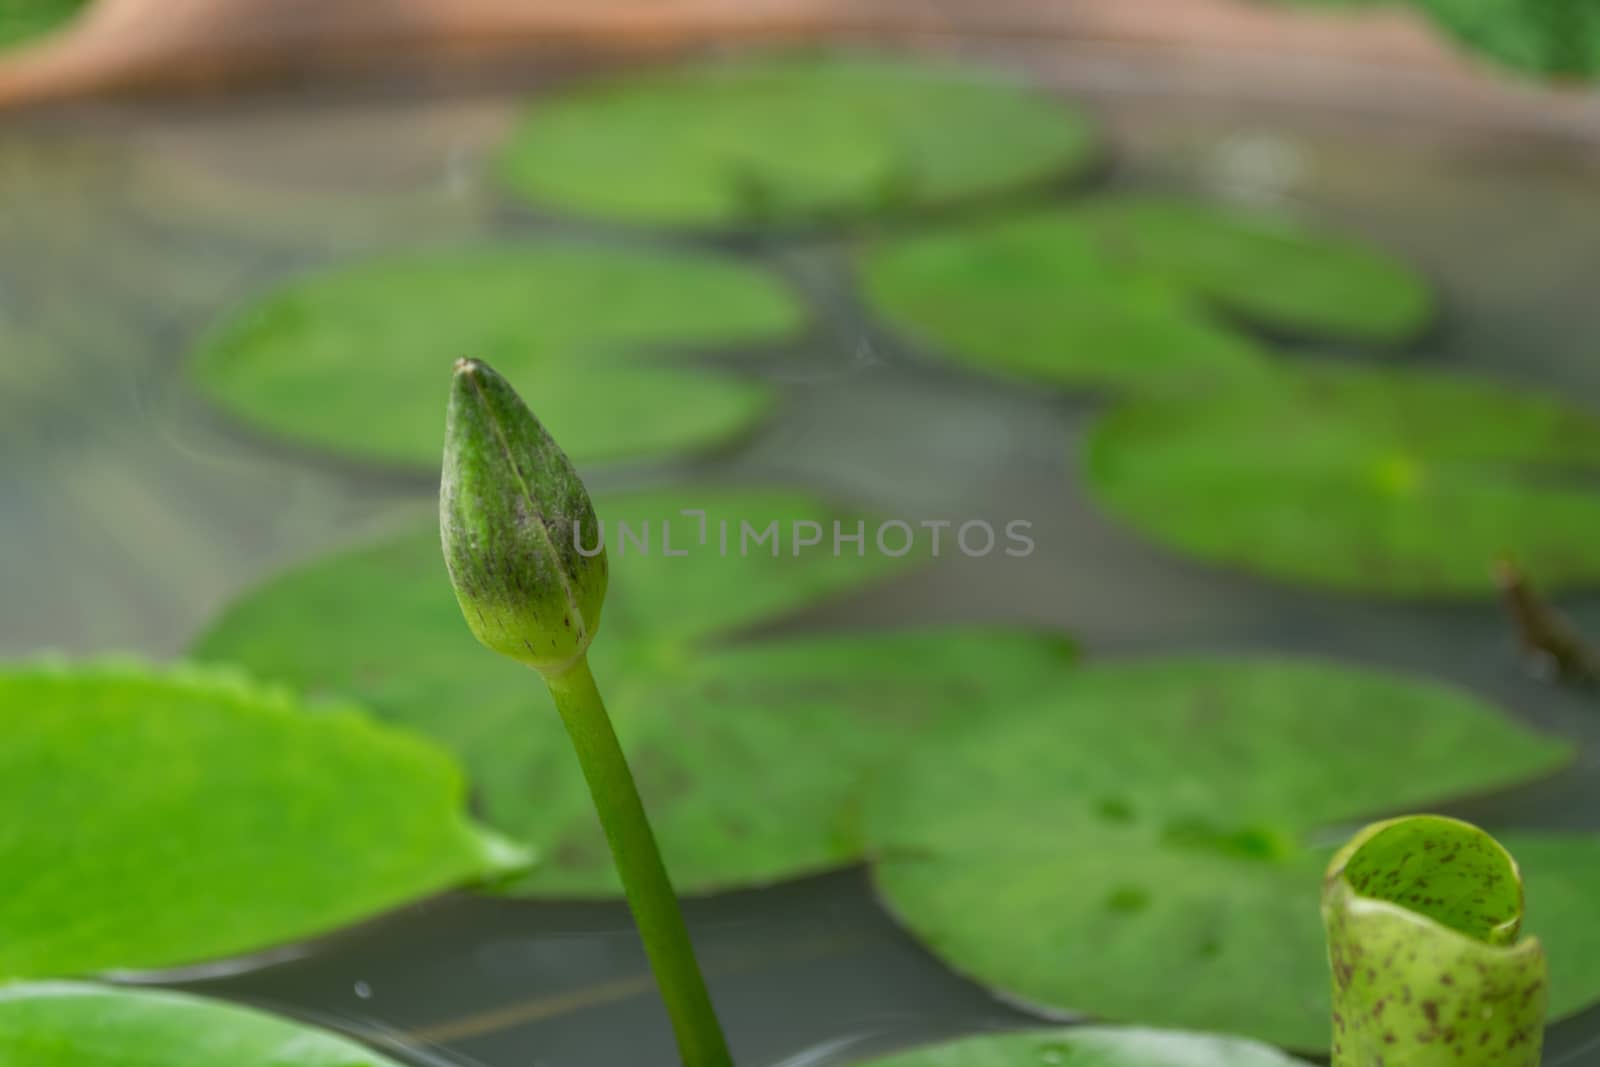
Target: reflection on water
(129, 511)
(807, 973)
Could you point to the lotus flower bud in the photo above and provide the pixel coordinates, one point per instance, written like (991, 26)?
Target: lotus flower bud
(1423, 915)
(520, 536)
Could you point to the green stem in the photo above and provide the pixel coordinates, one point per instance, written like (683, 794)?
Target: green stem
(638, 860)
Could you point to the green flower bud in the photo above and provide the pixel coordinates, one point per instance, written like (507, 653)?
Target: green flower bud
(1423, 915)
(518, 527)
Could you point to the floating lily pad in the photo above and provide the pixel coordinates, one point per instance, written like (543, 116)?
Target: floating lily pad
(164, 818)
(1092, 1046)
(792, 138)
(1139, 841)
(22, 20)
(1038, 297)
(1368, 480)
(750, 755)
(62, 1024)
(1267, 270)
(355, 359)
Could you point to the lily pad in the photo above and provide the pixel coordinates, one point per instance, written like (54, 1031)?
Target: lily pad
(754, 141)
(1382, 482)
(1092, 1046)
(751, 755)
(1139, 841)
(1267, 270)
(61, 1024)
(1038, 297)
(170, 817)
(351, 359)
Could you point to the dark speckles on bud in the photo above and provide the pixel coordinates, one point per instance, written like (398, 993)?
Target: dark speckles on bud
(512, 512)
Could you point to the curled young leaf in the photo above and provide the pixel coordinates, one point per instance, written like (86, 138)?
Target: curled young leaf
(1423, 915)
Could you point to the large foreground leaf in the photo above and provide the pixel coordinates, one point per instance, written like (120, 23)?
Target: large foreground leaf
(60, 1024)
(1092, 1046)
(162, 818)
(750, 756)
(754, 141)
(357, 359)
(1138, 842)
(1037, 296)
(1383, 482)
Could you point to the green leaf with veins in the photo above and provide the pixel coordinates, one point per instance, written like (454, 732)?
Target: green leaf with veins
(795, 138)
(1384, 482)
(356, 359)
(1139, 841)
(172, 816)
(60, 1024)
(1092, 1046)
(751, 755)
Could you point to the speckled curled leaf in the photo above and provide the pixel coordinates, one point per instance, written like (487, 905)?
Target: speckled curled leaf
(1383, 482)
(750, 755)
(1039, 297)
(1136, 841)
(357, 359)
(791, 138)
(60, 1024)
(170, 817)
(1266, 269)
(1423, 916)
(1092, 1046)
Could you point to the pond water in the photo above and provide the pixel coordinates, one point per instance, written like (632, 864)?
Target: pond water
(131, 512)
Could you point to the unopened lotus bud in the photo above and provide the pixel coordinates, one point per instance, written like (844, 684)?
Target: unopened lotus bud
(520, 537)
(1423, 915)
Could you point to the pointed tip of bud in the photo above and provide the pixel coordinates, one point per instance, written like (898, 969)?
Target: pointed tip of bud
(519, 532)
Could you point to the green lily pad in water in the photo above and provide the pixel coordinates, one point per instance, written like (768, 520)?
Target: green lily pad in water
(356, 359)
(1092, 1046)
(168, 817)
(790, 139)
(1139, 842)
(1124, 293)
(1036, 297)
(751, 755)
(1267, 270)
(1381, 482)
(61, 1024)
